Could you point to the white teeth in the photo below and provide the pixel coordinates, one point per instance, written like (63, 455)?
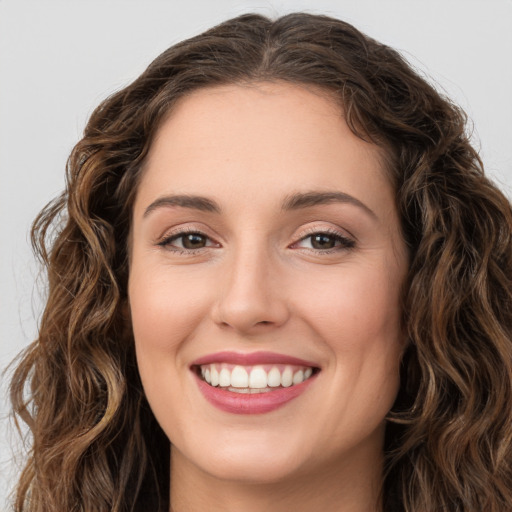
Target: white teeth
(298, 377)
(287, 377)
(214, 376)
(274, 378)
(239, 377)
(225, 378)
(253, 379)
(258, 378)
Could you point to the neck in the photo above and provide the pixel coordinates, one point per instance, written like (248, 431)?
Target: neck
(340, 486)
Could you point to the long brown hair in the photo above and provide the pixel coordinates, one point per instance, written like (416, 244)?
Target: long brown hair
(96, 445)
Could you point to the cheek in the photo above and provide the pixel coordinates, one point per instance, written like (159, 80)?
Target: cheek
(352, 307)
(357, 316)
(163, 306)
(165, 310)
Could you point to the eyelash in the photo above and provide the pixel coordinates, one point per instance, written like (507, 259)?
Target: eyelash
(345, 242)
(166, 241)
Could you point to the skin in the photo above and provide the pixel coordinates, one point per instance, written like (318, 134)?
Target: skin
(258, 282)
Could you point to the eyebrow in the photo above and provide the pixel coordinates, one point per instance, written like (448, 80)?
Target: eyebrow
(185, 201)
(314, 198)
(295, 201)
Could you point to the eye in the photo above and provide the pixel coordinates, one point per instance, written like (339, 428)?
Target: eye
(187, 241)
(325, 241)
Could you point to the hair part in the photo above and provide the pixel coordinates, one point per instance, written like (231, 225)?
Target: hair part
(96, 443)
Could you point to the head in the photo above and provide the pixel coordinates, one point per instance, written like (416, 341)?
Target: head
(443, 269)
(263, 227)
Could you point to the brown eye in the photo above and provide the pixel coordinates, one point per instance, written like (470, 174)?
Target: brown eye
(193, 241)
(323, 241)
(187, 241)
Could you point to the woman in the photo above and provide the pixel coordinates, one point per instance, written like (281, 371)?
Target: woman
(278, 280)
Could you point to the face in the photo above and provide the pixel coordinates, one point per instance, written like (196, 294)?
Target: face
(264, 288)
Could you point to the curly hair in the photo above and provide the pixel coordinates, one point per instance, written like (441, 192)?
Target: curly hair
(96, 445)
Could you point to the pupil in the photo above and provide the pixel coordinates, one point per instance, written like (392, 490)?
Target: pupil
(193, 241)
(323, 242)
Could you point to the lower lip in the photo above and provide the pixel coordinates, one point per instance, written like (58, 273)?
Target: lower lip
(257, 403)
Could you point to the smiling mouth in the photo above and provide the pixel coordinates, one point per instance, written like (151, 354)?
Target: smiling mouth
(253, 379)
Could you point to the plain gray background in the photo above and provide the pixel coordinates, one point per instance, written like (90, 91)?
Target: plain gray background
(59, 59)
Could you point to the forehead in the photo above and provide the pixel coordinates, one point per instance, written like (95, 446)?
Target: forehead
(261, 136)
(256, 113)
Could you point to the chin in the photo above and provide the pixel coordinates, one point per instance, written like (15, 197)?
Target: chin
(258, 470)
(247, 459)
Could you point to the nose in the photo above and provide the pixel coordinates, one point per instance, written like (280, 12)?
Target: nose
(251, 296)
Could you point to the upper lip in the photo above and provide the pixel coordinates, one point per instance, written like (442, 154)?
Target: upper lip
(252, 358)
